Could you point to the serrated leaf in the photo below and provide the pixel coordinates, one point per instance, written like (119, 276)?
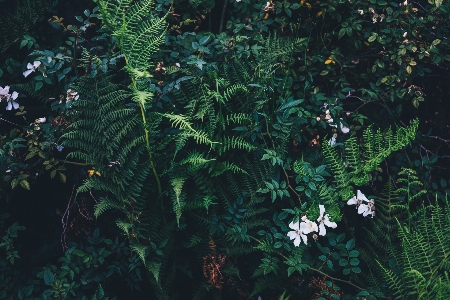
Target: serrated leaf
(30, 155)
(14, 183)
(25, 184)
(62, 177)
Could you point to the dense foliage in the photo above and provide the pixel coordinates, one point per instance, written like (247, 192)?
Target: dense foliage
(224, 149)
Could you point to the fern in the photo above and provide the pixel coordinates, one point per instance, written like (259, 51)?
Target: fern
(18, 18)
(358, 163)
(423, 259)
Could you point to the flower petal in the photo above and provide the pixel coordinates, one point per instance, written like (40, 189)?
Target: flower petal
(36, 64)
(27, 72)
(15, 104)
(361, 196)
(304, 238)
(294, 226)
(322, 211)
(328, 223)
(367, 212)
(4, 91)
(352, 201)
(363, 208)
(292, 234)
(14, 95)
(29, 66)
(9, 106)
(344, 129)
(322, 229)
(297, 241)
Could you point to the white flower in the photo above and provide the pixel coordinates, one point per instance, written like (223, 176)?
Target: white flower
(11, 101)
(405, 34)
(31, 68)
(41, 120)
(360, 11)
(300, 230)
(324, 220)
(364, 209)
(332, 141)
(238, 0)
(4, 91)
(296, 234)
(344, 129)
(308, 226)
(405, 3)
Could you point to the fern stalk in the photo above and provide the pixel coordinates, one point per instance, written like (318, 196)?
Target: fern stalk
(149, 148)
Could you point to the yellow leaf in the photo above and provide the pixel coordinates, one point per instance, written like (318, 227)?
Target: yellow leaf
(90, 173)
(302, 1)
(308, 5)
(266, 16)
(409, 69)
(328, 61)
(319, 13)
(366, 43)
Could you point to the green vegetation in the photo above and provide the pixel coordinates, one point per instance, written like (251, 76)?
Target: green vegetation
(171, 149)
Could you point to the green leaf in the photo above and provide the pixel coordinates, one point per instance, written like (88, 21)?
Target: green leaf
(25, 184)
(14, 183)
(38, 85)
(353, 253)
(341, 33)
(100, 293)
(62, 177)
(350, 244)
(343, 262)
(354, 261)
(48, 277)
(204, 40)
(23, 43)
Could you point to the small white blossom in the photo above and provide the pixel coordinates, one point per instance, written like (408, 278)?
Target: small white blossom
(405, 34)
(11, 101)
(308, 226)
(364, 209)
(4, 91)
(41, 120)
(332, 141)
(300, 230)
(344, 129)
(31, 67)
(360, 11)
(405, 3)
(324, 220)
(296, 235)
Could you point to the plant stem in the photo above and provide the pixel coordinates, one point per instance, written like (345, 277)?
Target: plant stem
(149, 149)
(336, 279)
(222, 17)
